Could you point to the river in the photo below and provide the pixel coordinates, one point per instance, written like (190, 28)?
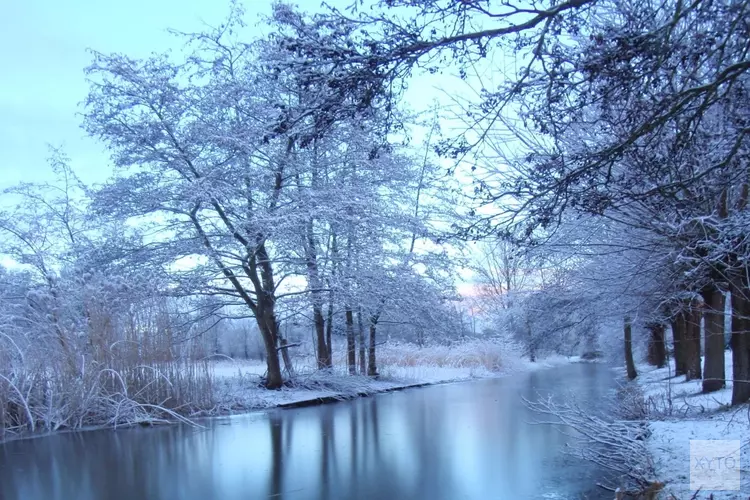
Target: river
(470, 440)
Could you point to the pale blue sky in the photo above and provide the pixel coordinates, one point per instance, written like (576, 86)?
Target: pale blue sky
(42, 55)
(43, 52)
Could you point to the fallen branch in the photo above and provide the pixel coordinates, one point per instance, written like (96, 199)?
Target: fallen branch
(614, 445)
(296, 344)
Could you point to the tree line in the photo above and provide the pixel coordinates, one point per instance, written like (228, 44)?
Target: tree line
(629, 119)
(275, 178)
(235, 195)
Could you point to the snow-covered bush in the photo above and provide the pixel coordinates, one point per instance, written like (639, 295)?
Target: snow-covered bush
(82, 350)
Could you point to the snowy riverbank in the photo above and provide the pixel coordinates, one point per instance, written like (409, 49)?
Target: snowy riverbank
(238, 388)
(183, 390)
(679, 412)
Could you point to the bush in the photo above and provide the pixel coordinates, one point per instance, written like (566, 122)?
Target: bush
(34, 397)
(107, 371)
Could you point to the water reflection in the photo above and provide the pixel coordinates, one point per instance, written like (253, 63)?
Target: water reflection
(459, 441)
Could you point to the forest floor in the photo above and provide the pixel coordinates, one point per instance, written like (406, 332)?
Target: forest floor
(238, 382)
(680, 412)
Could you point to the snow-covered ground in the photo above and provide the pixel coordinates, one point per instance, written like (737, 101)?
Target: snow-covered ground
(238, 388)
(680, 412)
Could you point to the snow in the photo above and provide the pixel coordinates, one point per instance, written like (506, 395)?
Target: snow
(237, 382)
(687, 400)
(680, 412)
(228, 368)
(241, 393)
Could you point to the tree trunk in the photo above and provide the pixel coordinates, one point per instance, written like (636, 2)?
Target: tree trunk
(288, 366)
(714, 370)
(263, 307)
(320, 336)
(329, 331)
(331, 296)
(283, 347)
(310, 245)
(657, 353)
(246, 346)
(372, 368)
(740, 340)
(266, 309)
(261, 351)
(678, 334)
(629, 363)
(351, 352)
(692, 341)
(532, 345)
(313, 278)
(267, 325)
(362, 357)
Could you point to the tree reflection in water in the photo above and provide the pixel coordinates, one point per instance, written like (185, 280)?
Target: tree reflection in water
(467, 440)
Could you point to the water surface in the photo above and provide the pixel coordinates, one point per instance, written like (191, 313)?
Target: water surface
(471, 440)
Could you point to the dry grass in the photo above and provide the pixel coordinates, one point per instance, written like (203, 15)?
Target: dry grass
(131, 375)
(45, 400)
(474, 354)
(112, 377)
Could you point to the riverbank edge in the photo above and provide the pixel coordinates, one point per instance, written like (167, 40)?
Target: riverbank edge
(331, 398)
(363, 394)
(396, 385)
(679, 411)
(250, 410)
(643, 386)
